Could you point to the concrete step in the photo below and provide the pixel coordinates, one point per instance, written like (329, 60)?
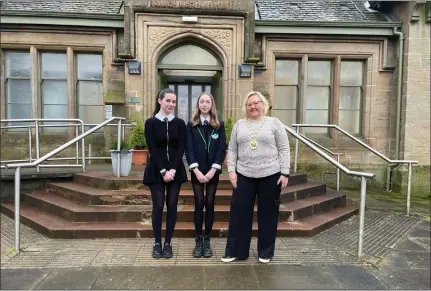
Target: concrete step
(77, 212)
(105, 180)
(57, 227)
(97, 196)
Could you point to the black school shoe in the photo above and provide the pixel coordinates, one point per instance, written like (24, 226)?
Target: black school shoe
(207, 251)
(157, 251)
(198, 250)
(167, 251)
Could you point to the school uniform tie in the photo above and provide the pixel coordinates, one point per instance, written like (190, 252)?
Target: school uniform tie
(206, 130)
(167, 137)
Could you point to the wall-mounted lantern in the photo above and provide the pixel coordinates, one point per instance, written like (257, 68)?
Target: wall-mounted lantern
(134, 67)
(244, 71)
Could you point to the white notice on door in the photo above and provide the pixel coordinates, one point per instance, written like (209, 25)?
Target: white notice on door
(108, 111)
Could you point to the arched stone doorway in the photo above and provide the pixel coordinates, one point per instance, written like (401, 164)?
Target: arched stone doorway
(190, 69)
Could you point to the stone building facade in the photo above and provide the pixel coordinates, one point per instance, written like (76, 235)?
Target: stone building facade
(361, 65)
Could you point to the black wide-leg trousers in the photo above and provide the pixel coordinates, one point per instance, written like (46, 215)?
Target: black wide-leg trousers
(241, 216)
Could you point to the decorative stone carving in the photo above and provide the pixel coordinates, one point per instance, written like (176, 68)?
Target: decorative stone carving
(157, 35)
(418, 11)
(221, 36)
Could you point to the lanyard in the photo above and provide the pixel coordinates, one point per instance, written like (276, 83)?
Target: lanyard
(207, 146)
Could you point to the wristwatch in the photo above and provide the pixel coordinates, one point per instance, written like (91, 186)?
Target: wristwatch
(285, 175)
(163, 172)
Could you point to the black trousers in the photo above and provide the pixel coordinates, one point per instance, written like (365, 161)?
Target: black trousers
(158, 198)
(241, 216)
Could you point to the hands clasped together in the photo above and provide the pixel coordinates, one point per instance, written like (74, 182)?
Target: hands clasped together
(204, 178)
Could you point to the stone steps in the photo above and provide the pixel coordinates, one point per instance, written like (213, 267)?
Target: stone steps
(97, 204)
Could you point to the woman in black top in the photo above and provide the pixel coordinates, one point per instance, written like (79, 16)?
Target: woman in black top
(205, 152)
(165, 172)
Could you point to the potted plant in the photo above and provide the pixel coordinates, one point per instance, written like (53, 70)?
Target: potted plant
(139, 144)
(228, 125)
(125, 154)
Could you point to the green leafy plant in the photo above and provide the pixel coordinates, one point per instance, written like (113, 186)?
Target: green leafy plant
(228, 125)
(125, 146)
(138, 136)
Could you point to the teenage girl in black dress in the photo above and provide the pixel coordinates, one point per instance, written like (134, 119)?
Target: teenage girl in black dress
(165, 172)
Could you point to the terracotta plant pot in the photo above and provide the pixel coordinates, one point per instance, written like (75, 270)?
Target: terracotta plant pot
(140, 157)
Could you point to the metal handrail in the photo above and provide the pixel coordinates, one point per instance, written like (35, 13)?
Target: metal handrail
(18, 167)
(363, 176)
(330, 152)
(391, 162)
(37, 125)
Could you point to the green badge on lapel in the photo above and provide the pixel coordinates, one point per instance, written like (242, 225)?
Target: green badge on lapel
(214, 135)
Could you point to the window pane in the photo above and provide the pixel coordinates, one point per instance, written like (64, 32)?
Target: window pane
(349, 121)
(317, 98)
(285, 97)
(54, 65)
(316, 117)
(183, 102)
(287, 117)
(89, 66)
(91, 114)
(18, 91)
(196, 91)
(18, 111)
(189, 55)
(54, 111)
(351, 73)
(350, 98)
(286, 72)
(208, 89)
(17, 64)
(319, 73)
(54, 92)
(90, 93)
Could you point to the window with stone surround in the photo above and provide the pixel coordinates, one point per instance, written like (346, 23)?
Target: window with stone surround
(320, 91)
(90, 88)
(17, 85)
(54, 87)
(36, 85)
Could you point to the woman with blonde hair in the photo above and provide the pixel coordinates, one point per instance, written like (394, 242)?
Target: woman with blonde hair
(258, 160)
(205, 153)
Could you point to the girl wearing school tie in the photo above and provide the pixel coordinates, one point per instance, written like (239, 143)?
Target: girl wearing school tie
(205, 153)
(165, 171)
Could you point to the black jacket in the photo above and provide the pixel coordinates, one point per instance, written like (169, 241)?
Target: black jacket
(165, 152)
(208, 153)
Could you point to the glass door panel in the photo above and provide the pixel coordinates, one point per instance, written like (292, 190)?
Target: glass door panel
(183, 102)
(196, 90)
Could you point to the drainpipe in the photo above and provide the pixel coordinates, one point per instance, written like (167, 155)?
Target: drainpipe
(399, 90)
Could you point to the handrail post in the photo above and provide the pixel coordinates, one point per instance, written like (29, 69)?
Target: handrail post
(295, 165)
(83, 145)
(362, 215)
(29, 143)
(388, 178)
(89, 153)
(119, 148)
(36, 129)
(77, 145)
(17, 208)
(338, 173)
(409, 186)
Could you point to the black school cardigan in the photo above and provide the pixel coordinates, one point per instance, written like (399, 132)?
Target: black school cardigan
(166, 150)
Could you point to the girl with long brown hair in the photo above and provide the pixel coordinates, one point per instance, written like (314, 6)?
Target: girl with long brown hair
(205, 153)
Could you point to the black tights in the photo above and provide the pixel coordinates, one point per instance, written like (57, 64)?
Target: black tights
(198, 190)
(158, 198)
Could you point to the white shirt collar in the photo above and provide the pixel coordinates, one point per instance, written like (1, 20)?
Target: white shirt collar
(208, 118)
(161, 117)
